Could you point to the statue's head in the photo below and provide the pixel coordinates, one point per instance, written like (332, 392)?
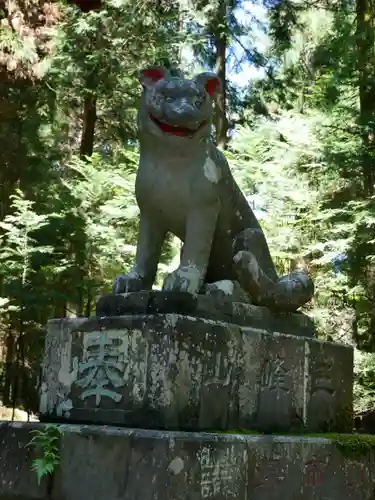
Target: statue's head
(175, 107)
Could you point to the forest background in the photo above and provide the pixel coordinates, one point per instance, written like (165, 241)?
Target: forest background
(296, 118)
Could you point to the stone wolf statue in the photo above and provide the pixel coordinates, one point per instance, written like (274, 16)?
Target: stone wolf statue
(184, 186)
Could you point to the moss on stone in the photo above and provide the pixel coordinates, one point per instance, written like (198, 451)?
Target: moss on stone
(244, 431)
(353, 446)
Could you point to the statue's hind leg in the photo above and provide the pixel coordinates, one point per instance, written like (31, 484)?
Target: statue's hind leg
(257, 275)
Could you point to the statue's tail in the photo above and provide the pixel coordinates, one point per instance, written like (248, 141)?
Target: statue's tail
(287, 293)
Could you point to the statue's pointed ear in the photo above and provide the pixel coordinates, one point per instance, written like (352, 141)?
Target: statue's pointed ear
(149, 76)
(210, 82)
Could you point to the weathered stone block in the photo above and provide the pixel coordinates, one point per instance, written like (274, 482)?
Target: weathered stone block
(178, 372)
(219, 308)
(108, 463)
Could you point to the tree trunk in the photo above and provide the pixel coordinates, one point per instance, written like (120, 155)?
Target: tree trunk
(366, 83)
(88, 129)
(221, 41)
(8, 369)
(86, 150)
(365, 39)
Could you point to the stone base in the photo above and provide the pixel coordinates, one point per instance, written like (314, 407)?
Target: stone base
(169, 371)
(214, 307)
(103, 463)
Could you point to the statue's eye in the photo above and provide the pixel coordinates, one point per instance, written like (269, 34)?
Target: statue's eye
(198, 102)
(169, 99)
(156, 99)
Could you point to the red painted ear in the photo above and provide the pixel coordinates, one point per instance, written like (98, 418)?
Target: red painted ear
(150, 76)
(154, 73)
(210, 82)
(212, 85)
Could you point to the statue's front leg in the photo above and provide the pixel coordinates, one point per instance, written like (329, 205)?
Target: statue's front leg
(142, 275)
(200, 229)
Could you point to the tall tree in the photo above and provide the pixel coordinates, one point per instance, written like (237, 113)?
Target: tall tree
(219, 41)
(365, 38)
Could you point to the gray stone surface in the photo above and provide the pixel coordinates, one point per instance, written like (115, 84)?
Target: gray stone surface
(108, 463)
(170, 371)
(184, 186)
(216, 307)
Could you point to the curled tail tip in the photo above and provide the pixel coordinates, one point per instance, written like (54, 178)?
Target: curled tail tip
(297, 288)
(288, 293)
(303, 280)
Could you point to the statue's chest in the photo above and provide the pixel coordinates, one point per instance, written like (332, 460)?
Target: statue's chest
(165, 185)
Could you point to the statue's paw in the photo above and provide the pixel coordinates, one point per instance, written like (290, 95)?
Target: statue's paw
(183, 279)
(130, 282)
(228, 290)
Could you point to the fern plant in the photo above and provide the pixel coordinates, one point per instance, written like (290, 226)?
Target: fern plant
(47, 443)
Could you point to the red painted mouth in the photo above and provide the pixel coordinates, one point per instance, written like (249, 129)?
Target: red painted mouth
(170, 129)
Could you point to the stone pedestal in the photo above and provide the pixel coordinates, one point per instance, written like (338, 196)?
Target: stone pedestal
(170, 371)
(107, 463)
(216, 308)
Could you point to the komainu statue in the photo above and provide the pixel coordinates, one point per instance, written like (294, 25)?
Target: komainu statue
(184, 186)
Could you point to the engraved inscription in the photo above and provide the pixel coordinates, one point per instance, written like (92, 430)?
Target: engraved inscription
(275, 402)
(355, 477)
(221, 373)
(101, 367)
(210, 484)
(218, 475)
(322, 379)
(268, 475)
(313, 472)
(274, 376)
(136, 360)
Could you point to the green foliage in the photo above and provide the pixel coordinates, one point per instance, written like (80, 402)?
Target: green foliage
(101, 198)
(364, 386)
(18, 242)
(269, 161)
(325, 63)
(46, 443)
